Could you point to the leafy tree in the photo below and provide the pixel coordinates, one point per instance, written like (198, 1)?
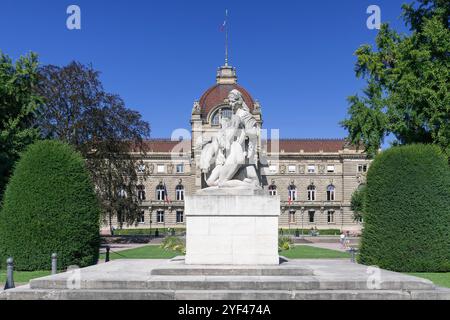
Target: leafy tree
(358, 202)
(407, 93)
(18, 104)
(78, 111)
(50, 206)
(407, 210)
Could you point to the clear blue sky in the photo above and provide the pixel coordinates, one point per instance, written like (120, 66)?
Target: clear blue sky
(296, 57)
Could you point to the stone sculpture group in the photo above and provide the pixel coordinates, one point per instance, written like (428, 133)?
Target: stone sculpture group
(230, 159)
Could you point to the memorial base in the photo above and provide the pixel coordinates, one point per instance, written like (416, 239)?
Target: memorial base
(232, 227)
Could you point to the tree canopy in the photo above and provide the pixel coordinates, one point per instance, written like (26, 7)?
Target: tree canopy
(407, 93)
(18, 105)
(77, 110)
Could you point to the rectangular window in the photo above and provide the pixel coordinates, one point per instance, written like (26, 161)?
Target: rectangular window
(362, 168)
(180, 168)
(160, 216)
(142, 217)
(330, 216)
(330, 169)
(180, 217)
(311, 215)
(273, 169)
(292, 217)
(161, 168)
(311, 169)
(292, 169)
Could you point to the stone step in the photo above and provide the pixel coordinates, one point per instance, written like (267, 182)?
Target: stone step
(29, 294)
(231, 271)
(258, 283)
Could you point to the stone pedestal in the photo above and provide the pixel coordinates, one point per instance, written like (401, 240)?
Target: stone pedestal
(232, 227)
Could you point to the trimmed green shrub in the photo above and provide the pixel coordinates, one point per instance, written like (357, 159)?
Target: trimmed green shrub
(407, 211)
(50, 206)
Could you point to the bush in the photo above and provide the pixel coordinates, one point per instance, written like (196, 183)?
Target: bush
(285, 243)
(407, 211)
(307, 232)
(147, 232)
(174, 244)
(50, 206)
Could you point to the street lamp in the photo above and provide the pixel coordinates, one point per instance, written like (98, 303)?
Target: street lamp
(303, 212)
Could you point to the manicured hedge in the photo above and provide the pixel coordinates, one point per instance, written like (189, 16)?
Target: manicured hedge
(50, 206)
(407, 212)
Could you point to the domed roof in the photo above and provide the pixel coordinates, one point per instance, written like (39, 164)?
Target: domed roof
(217, 95)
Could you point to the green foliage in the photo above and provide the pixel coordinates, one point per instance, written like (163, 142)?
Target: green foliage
(18, 104)
(307, 232)
(285, 243)
(78, 111)
(358, 202)
(407, 77)
(407, 211)
(146, 232)
(174, 244)
(50, 206)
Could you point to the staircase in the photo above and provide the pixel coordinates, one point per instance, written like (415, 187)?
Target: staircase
(173, 280)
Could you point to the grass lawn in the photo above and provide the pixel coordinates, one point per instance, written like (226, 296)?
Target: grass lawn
(439, 279)
(22, 276)
(308, 252)
(155, 252)
(147, 252)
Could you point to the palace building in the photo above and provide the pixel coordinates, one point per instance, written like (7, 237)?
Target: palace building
(314, 178)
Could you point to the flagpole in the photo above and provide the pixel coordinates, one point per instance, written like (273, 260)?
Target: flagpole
(226, 37)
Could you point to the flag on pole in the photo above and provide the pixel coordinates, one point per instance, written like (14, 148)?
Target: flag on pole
(225, 22)
(166, 195)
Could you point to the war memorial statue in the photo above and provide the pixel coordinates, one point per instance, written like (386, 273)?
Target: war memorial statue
(233, 220)
(230, 159)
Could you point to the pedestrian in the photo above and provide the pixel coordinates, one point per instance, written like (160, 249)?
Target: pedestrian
(342, 239)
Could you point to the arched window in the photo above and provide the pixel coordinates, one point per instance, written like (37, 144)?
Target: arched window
(160, 193)
(273, 190)
(179, 193)
(122, 192)
(221, 113)
(311, 193)
(292, 193)
(141, 193)
(331, 193)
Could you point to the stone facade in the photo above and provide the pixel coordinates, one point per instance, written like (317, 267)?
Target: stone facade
(314, 178)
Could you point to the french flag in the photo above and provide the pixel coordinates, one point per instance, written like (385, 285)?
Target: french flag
(166, 194)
